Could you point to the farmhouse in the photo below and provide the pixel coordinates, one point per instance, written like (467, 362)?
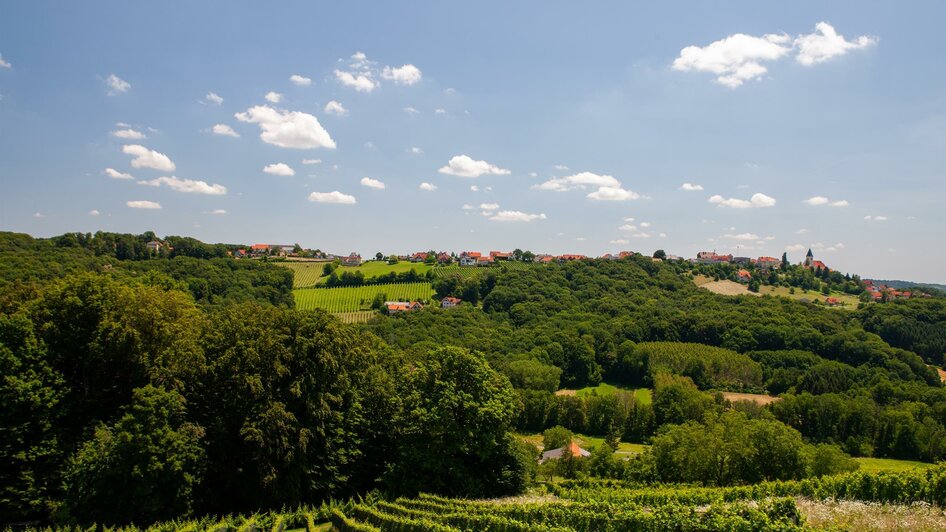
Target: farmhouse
(156, 245)
(744, 276)
(402, 306)
(766, 263)
(500, 255)
(832, 301)
(572, 448)
(570, 257)
(353, 259)
(484, 261)
(450, 302)
(259, 249)
(420, 256)
(444, 258)
(469, 258)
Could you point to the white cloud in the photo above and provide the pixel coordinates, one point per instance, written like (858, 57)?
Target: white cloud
(143, 204)
(372, 183)
(213, 98)
(115, 174)
(662, 235)
(361, 82)
(645, 224)
(515, 216)
(629, 219)
(4, 63)
(128, 134)
(620, 241)
(840, 203)
(628, 227)
(301, 81)
(311, 161)
(735, 59)
(440, 111)
(38, 215)
(757, 200)
(94, 212)
(742, 236)
(876, 218)
(411, 111)
(795, 247)
(825, 43)
(332, 197)
(613, 194)
(416, 151)
(116, 85)
(578, 181)
(465, 166)
(189, 186)
(219, 211)
(468, 207)
(287, 129)
(821, 200)
(224, 130)
(801, 231)
(145, 158)
(690, 187)
(818, 246)
(489, 206)
(335, 108)
(474, 188)
(560, 167)
(282, 169)
(403, 75)
(273, 97)
(640, 235)
(428, 187)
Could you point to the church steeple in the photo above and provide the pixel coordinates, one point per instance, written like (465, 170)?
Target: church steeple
(809, 257)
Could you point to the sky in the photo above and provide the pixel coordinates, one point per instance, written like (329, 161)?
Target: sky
(743, 127)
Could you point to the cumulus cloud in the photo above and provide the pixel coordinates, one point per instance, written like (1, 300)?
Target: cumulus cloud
(620, 241)
(645, 224)
(143, 204)
(640, 235)
(282, 169)
(613, 194)
(515, 216)
(332, 197)
(628, 227)
(560, 167)
(690, 187)
(214, 98)
(219, 211)
(440, 111)
(372, 183)
(818, 246)
(94, 212)
(416, 151)
(826, 43)
(578, 181)
(402, 75)
(115, 174)
(4, 63)
(128, 134)
(821, 200)
(311, 161)
(361, 82)
(734, 59)
(489, 206)
(189, 186)
(301, 81)
(116, 85)
(465, 166)
(757, 200)
(273, 97)
(145, 158)
(38, 215)
(224, 130)
(335, 108)
(411, 111)
(876, 218)
(428, 187)
(287, 129)
(795, 247)
(742, 236)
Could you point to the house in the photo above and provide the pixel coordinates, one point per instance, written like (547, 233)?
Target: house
(484, 261)
(570, 257)
(240, 253)
(706, 257)
(469, 258)
(420, 256)
(572, 448)
(608, 256)
(155, 246)
(832, 301)
(500, 255)
(813, 264)
(444, 258)
(450, 302)
(544, 259)
(719, 259)
(744, 276)
(744, 261)
(259, 249)
(675, 258)
(352, 259)
(402, 306)
(766, 263)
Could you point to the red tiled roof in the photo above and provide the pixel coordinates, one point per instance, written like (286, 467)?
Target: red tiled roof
(259, 246)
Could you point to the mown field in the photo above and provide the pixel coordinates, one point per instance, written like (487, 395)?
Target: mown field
(358, 298)
(310, 273)
(731, 288)
(643, 395)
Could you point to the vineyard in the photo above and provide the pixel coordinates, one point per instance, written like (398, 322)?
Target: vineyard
(358, 298)
(362, 316)
(710, 367)
(907, 500)
(304, 273)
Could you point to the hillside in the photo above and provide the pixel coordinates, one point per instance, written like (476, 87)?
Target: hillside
(136, 385)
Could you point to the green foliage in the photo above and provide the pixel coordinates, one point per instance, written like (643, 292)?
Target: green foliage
(533, 375)
(707, 366)
(144, 467)
(556, 437)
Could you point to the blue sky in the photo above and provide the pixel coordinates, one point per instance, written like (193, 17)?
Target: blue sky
(533, 124)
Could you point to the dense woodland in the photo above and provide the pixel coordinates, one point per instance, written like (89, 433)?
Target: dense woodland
(140, 387)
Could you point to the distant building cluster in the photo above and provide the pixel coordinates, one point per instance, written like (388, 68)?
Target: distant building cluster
(882, 292)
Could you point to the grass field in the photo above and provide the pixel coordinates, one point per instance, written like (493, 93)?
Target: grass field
(731, 288)
(589, 442)
(358, 298)
(756, 398)
(310, 273)
(889, 464)
(641, 394)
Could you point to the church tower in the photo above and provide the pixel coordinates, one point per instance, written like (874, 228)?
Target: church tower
(809, 258)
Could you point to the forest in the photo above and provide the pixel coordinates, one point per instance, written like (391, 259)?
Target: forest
(136, 386)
